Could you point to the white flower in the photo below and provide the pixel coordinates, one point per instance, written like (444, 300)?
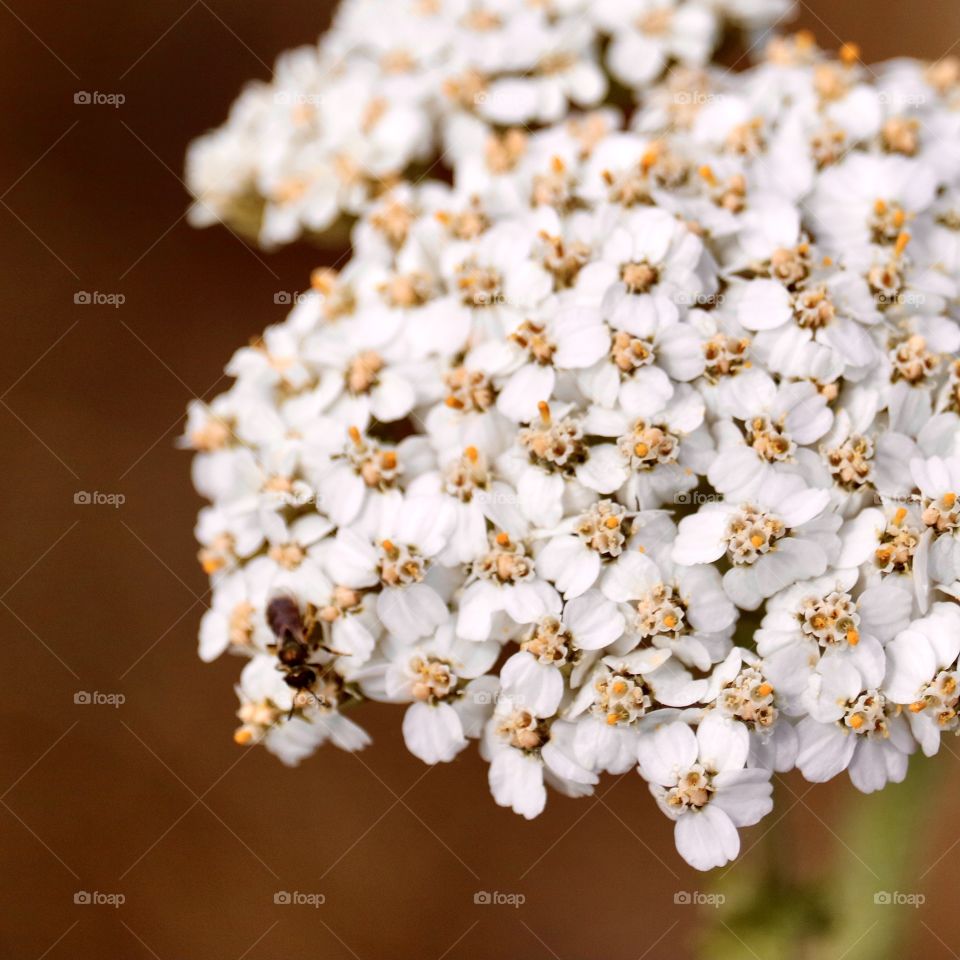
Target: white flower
(777, 427)
(922, 674)
(235, 619)
(631, 440)
(659, 450)
(700, 781)
(470, 485)
(525, 751)
(868, 199)
(680, 609)
(656, 32)
(266, 703)
(620, 698)
(399, 561)
(505, 590)
(434, 677)
(784, 534)
(852, 727)
(651, 256)
(574, 556)
(534, 675)
(821, 619)
(741, 690)
(939, 483)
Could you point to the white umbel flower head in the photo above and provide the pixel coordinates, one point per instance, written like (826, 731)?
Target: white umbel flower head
(627, 444)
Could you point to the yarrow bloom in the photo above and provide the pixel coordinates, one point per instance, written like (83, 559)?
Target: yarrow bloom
(627, 446)
(341, 122)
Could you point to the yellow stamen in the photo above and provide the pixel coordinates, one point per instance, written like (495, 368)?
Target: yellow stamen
(902, 240)
(917, 706)
(765, 689)
(211, 565)
(853, 637)
(849, 54)
(706, 171)
(949, 499)
(354, 435)
(757, 541)
(471, 454)
(544, 409)
(243, 736)
(856, 721)
(899, 516)
(322, 279)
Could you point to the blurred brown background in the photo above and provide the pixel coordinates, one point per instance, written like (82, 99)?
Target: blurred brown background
(151, 799)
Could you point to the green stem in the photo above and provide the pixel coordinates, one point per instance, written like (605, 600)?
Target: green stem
(771, 913)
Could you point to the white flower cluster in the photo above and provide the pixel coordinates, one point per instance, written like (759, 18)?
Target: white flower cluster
(405, 84)
(636, 447)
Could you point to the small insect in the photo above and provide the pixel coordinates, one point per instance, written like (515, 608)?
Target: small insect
(293, 649)
(285, 620)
